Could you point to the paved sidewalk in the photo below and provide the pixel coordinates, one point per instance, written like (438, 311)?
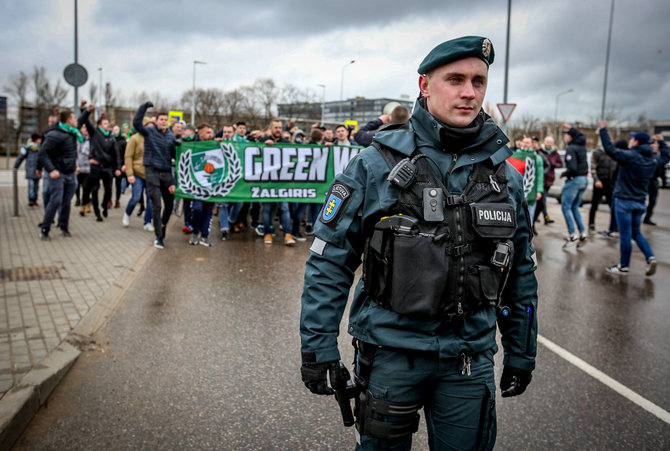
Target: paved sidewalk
(46, 288)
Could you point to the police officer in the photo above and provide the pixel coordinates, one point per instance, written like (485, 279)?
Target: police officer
(441, 222)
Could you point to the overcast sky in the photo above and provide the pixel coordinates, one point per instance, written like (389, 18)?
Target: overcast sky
(554, 46)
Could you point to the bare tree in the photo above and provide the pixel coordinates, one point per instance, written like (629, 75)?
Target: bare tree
(232, 105)
(110, 97)
(250, 109)
(265, 92)
(526, 124)
(296, 100)
(491, 112)
(18, 88)
(46, 96)
(92, 91)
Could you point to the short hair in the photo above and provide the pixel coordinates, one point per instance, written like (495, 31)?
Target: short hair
(274, 121)
(399, 115)
(100, 120)
(316, 135)
(227, 125)
(237, 124)
(203, 125)
(162, 113)
(341, 126)
(64, 115)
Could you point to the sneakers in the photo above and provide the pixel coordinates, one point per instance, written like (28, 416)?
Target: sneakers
(44, 235)
(98, 218)
(205, 242)
(66, 233)
(104, 212)
(193, 240)
(149, 227)
(607, 234)
(288, 240)
(309, 229)
(298, 237)
(158, 243)
(267, 239)
(618, 269)
(649, 222)
(592, 227)
(140, 211)
(260, 230)
(582, 241)
(117, 204)
(224, 235)
(125, 220)
(569, 242)
(651, 266)
(187, 229)
(548, 220)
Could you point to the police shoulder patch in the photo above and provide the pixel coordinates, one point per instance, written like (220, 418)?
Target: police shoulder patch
(337, 197)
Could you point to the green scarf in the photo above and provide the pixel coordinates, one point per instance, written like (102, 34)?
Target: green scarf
(71, 130)
(104, 132)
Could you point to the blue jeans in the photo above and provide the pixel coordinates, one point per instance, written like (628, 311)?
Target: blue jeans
(459, 408)
(298, 212)
(33, 188)
(201, 215)
(61, 191)
(138, 188)
(571, 197)
(45, 189)
(228, 212)
(284, 216)
(628, 217)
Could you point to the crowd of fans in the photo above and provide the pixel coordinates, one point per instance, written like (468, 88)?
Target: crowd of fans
(114, 156)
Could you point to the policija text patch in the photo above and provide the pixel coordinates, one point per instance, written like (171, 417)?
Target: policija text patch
(337, 197)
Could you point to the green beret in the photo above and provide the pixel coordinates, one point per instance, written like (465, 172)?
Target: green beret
(458, 49)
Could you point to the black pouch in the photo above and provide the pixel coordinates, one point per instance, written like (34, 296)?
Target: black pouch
(482, 286)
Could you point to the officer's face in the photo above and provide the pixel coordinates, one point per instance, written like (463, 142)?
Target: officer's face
(455, 92)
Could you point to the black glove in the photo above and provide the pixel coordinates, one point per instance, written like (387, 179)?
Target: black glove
(177, 141)
(514, 381)
(314, 376)
(148, 105)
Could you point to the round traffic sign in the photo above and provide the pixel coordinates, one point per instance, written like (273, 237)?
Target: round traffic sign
(75, 74)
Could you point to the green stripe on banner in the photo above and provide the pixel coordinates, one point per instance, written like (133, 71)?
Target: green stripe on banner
(223, 171)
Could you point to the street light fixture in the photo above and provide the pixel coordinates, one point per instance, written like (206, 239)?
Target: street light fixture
(193, 98)
(556, 110)
(342, 85)
(323, 103)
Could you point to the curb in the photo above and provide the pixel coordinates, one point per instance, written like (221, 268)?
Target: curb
(23, 401)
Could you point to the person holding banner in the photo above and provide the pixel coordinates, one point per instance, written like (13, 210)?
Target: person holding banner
(159, 151)
(441, 221)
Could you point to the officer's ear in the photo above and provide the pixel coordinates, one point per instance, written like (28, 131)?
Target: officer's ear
(423, 84)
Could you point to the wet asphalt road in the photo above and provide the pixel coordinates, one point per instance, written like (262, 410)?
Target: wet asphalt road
(203, 353)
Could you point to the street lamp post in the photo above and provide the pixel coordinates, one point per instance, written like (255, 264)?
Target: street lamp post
(556, 110)
(607, 62)
(193, 98)
(342, 85)
(323, 103)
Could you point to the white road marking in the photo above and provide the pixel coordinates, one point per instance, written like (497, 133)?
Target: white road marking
(605, 379)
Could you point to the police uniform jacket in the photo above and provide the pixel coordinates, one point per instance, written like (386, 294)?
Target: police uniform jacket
(338, 246)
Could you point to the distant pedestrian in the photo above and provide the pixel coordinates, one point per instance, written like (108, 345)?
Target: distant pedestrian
(636, 167)
(366, 134)
(552, 160)
(30, 153)
(603, 171)
(159, 151)
(656, 146)
(136, 173)
(58, 157)
(576, 182)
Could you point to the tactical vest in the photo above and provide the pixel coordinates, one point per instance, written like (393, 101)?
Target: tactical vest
(439, 256)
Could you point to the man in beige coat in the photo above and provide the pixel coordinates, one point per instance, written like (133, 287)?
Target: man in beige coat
(135, 172)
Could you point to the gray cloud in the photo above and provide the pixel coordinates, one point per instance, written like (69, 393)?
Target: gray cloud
(555, 46)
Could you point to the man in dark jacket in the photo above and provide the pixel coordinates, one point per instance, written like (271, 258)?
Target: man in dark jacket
(30, 153)
(576, 182)
(105, 160)
(58, 157)
(366, 133)
(159, 151)
(656, 146)
(603, 171)
(636, 167)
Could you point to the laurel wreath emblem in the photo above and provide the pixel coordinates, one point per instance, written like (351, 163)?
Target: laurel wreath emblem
(193, 189)
(529, 176)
